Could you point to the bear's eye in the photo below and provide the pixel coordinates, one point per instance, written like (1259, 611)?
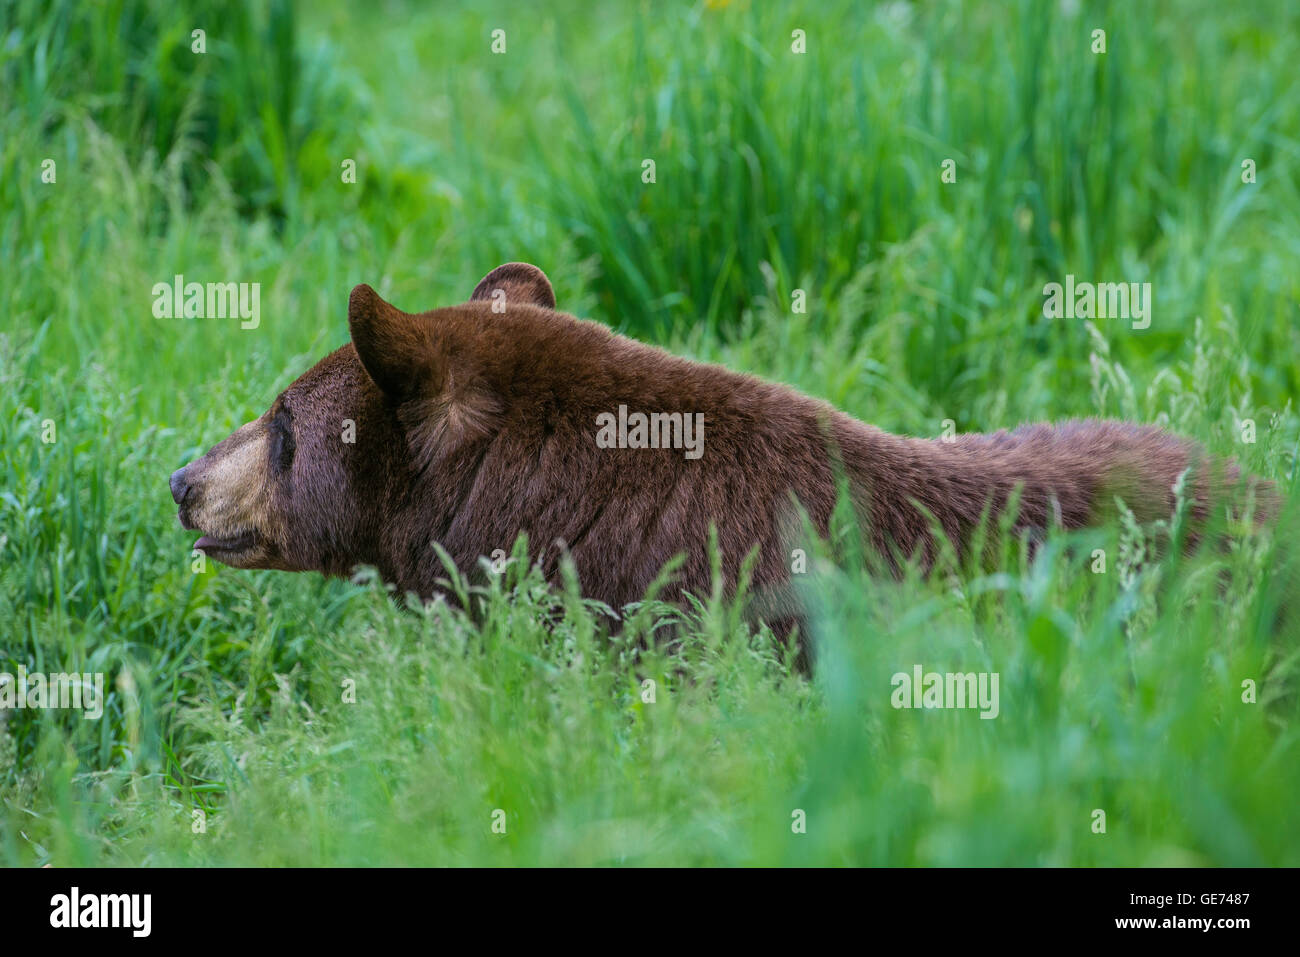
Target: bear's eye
(282, 444)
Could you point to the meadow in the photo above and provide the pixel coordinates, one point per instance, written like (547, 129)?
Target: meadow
(261, 718)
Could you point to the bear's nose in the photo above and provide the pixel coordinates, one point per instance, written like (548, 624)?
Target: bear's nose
(180, 487)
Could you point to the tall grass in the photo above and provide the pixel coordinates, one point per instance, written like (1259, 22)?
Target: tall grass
(198, 85)
(1066, 161)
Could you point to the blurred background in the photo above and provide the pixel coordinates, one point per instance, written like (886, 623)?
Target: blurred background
(774, 171)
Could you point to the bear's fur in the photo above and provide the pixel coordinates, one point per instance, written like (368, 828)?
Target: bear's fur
(476, 422)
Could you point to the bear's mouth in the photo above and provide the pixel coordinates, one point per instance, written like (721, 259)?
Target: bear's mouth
(230, 545)
(225, 548)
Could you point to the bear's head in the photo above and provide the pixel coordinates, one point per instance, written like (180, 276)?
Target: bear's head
(317, 481)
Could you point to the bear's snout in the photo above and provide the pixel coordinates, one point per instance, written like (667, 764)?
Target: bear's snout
(182, 491)
(226, 494)
(179, 485)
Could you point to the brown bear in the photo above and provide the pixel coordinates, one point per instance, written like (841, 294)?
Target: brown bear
(470, 424)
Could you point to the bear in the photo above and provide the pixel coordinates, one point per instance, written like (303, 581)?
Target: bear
(473, 423)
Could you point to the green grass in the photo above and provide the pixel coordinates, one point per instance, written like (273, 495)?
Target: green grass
(1120, 691)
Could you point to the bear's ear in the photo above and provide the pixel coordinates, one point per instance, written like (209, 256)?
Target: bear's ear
(441, 402)
(396, 349)
(519, 282)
